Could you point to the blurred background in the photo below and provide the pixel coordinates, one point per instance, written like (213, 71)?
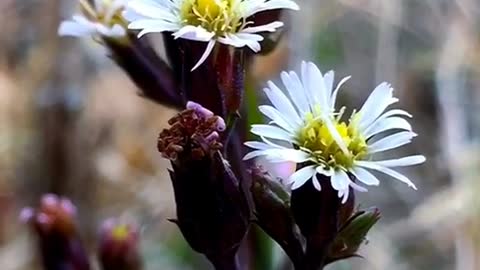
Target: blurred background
(72, 123)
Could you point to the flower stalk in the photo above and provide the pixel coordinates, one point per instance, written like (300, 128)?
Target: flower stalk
(147, 70)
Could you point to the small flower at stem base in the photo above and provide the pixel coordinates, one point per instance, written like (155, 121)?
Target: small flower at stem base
(119, 246)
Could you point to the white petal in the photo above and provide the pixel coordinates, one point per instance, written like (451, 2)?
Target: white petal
(130, 15)
(322, 170)
(251, 7)
(152, 23)
(271, 27)
(285, 154)
(344, 194)
(241, 40)
(257, 145)
(205, 54)
(387, 124)
(254, 154)
(158, 29)
(282, 103)
(295, 91)
(316, 86)
(250, 40)
(75, 29)
(372, 165)
(377, 102)
(277, 117)
(365, 176)
(391, 142)
(153, 11)
(340, 180)
(333, 99)
(402, 162)
(315, 182)
(116, 31)
(197, 33)
(272, 132)
(357, 187)
(329, 79)
(305, 78)
(301, 176)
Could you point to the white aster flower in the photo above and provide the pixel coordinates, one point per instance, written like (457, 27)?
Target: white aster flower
(224, 21)
(97, 18)
(322, 142)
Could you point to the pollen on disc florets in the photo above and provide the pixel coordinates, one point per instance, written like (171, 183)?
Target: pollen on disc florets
(218, 16)
(316, 138)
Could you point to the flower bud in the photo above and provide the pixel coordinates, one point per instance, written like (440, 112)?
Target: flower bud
(119, 246)
(54, 225)
(212, 212)
(274, 216)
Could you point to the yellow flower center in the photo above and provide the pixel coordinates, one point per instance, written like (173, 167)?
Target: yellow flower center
(120, 232)
(316, 138)
(216, 16)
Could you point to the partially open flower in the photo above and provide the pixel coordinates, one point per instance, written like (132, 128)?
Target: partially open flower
(54, 224)
(224, 21)
(194, 131)
(316, 136)
(97, 18)
(119, 246)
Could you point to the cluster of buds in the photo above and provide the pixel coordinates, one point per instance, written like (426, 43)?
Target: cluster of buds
(212, 212)
(54, 224)
(194, 131)
(60, 244)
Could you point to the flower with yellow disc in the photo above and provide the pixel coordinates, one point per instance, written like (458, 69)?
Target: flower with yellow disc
(225, 21)
(314, 135)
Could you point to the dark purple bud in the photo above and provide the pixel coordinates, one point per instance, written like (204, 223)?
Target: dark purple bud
(212, 212)
(273, 214)
(119, 246)
(54, 224)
